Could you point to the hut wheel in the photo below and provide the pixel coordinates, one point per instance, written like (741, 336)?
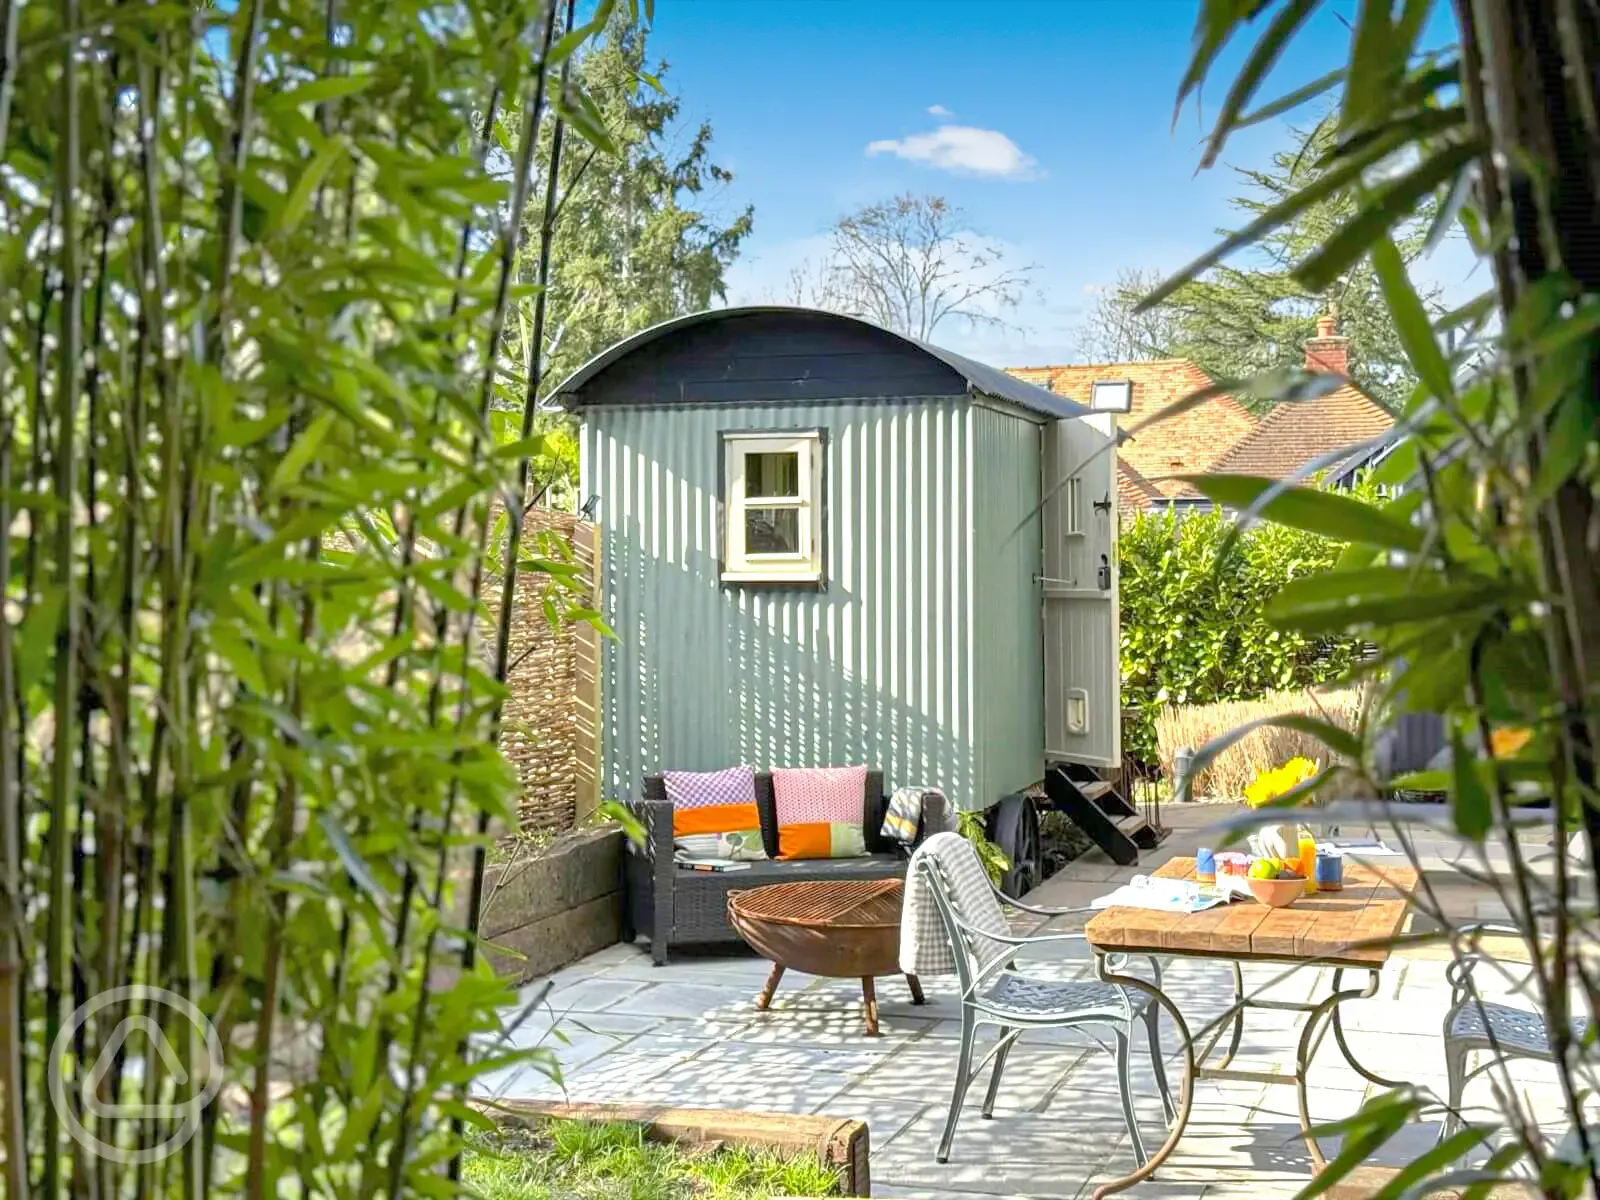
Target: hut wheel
(1014, 827)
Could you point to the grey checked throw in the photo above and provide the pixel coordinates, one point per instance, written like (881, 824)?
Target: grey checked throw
(948, 861)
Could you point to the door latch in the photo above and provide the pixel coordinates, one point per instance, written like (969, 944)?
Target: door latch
(1105, 573)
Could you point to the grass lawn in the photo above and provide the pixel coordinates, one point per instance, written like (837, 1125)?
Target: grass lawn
(580, 1160)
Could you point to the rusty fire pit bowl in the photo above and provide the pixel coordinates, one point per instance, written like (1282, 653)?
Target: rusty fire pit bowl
(842, 929)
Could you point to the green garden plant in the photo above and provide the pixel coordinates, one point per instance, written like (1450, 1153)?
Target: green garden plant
(1194, 595)
(1479, 582)
(257, 264)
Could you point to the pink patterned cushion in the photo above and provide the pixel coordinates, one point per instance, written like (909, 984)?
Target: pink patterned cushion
(820, 811)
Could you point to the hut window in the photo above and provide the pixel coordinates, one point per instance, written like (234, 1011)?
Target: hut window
(773, 495)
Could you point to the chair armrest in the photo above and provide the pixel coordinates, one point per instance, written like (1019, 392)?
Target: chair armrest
(656, 817)
(1464, 958)
(1011, 902)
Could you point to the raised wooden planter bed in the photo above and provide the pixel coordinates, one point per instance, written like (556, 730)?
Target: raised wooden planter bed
(839, 1144)
(556, 905)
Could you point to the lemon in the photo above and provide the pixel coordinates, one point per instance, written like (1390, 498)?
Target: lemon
(1264, 868)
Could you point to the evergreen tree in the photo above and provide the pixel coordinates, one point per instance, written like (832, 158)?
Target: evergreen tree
(1237, 321)
(637, 237)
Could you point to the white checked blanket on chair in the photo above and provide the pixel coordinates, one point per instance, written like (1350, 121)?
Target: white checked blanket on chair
(924, 948)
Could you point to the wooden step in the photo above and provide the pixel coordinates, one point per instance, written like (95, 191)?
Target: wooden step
(1138, 831)
(1096, 817)
(1093, 789)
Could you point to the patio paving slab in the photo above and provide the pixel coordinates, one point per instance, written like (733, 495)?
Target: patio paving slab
(689, 1034)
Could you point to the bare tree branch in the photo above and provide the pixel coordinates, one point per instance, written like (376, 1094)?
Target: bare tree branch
(911, 264)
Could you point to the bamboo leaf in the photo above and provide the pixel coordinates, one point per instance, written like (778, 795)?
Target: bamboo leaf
(1372, 64)
(1331, 514)
(1265, 54)
(1567, 445)
(528, 447)
(1292, 100)
(1378, 596)
(1330, 182)
(229, 645)
(1218, 21)
(355, 866)
(1411, 321)
(300, 454)
(1385, 208)
(579, 111)
(316, 91)
(1469, 799)
(305, 187)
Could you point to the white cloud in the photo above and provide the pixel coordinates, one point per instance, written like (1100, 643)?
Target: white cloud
(963, 149)
(939, 110)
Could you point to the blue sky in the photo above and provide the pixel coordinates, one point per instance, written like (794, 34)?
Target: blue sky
(1050, 126)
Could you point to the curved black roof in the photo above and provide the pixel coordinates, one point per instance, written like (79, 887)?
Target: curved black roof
(978, 378)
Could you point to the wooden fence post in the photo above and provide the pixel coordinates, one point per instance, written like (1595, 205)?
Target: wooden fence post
(586, 544)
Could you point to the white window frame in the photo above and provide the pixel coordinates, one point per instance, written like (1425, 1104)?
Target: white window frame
(1122, 389)
(739, 566)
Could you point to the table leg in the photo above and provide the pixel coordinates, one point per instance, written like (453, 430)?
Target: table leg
(764, 1000)
(1185, 1093)
(915, 985)
(869, 999)
(1344, 1045)
(1325, 1014)
(1238, 1016)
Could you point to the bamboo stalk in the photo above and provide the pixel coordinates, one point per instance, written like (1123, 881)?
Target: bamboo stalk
(510, 244)
(13, 1131)
(63, 783)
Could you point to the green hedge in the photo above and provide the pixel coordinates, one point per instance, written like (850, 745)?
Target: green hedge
(1192, 625)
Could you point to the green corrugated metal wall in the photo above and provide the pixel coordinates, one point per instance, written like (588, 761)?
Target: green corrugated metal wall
(904, 660)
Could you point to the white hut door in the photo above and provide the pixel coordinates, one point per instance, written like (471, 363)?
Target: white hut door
(1082, 639)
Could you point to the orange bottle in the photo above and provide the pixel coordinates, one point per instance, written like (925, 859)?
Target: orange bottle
(1307, 865)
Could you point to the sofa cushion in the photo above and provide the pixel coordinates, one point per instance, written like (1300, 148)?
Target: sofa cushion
(820, 811)
(714, 813)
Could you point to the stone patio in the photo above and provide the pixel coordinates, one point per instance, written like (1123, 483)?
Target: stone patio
(688, 1034)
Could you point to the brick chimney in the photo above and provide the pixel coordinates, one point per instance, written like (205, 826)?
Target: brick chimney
(1328, 351)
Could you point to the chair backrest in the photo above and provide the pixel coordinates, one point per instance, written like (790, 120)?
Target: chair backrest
(954, 875)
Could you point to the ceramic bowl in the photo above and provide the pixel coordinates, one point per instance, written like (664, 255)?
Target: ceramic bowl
(1277, 893)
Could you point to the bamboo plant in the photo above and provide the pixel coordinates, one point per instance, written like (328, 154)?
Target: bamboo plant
(256, 264)
(1478, 579)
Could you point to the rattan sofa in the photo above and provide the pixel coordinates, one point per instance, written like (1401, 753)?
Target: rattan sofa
(676, 907)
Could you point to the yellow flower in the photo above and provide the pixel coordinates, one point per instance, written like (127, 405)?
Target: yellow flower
(1505, 743)
(1279, 781)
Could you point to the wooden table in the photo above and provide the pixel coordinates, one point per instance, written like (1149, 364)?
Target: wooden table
(1349, 930)
(842, 929)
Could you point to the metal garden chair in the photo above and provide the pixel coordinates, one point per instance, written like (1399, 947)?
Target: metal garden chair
(995, 992)
(1475, 1024)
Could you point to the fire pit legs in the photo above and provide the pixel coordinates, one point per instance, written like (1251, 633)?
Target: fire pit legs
(915, 985)
(764, 1000)
(869, 997)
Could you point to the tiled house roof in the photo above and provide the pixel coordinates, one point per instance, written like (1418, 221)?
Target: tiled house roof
(1187, 444)
(1134, 491)
(1292, 435)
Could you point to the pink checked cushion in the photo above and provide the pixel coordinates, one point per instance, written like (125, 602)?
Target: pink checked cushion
(820, 811)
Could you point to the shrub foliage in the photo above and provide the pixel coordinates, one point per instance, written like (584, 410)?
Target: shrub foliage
(1194, 591)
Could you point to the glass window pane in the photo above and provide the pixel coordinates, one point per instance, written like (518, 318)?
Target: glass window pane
(768, 474)
(772, 531)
